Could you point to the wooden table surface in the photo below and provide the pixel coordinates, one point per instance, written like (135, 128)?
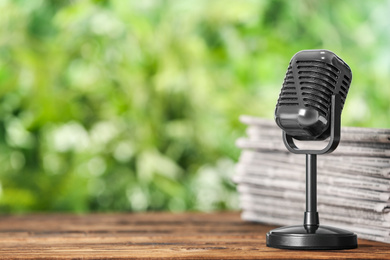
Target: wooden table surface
(153, 235)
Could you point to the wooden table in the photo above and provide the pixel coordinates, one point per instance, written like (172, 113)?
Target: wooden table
(152, 235)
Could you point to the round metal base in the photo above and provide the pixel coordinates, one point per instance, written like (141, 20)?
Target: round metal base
(321, 238)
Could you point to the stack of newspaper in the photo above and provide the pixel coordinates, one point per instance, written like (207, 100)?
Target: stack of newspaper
(353, 182)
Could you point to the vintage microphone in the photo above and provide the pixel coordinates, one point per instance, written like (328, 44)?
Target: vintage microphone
(309, 109)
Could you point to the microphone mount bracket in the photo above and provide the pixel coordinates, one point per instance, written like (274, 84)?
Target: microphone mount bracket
(335, 126)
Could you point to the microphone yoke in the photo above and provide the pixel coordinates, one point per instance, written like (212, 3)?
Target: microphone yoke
(303, 107)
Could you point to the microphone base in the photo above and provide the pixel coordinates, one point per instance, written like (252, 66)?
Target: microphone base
(311, 238)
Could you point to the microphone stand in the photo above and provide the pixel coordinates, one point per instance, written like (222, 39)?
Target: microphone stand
(311, 235)
(311, 220)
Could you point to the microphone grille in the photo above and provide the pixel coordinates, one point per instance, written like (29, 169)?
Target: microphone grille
(312, 78)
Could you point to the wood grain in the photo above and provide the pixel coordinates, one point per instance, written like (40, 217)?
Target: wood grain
(153, 235)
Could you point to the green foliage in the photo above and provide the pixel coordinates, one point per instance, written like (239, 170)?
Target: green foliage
(134, 105)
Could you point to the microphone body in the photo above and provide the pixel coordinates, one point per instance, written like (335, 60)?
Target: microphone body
(303, 109)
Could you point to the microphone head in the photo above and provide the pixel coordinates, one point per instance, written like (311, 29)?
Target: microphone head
(303, 107)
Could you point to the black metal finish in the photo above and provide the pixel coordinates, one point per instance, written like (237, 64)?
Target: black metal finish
(322, 238)
(310, 235)
(312, 77)
(311, 215)
(335, 128)
(309, 108)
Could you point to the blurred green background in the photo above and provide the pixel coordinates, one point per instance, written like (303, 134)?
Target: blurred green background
(133, 105)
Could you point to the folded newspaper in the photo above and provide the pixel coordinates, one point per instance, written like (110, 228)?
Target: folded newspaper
(353, 182)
